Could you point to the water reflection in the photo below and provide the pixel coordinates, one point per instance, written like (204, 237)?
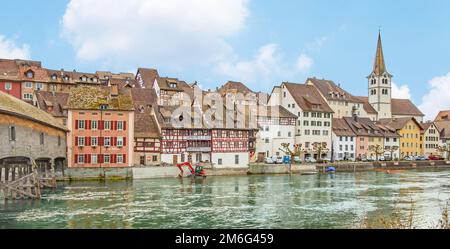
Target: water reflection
(312, 201)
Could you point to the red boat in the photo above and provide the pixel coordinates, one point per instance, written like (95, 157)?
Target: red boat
(187, 170)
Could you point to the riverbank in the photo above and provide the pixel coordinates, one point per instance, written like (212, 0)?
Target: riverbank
(138, 173)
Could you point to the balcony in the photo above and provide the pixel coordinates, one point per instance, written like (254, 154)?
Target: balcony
(198, 149)
(198, 138)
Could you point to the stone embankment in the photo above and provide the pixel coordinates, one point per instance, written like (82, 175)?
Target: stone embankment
(136, 173)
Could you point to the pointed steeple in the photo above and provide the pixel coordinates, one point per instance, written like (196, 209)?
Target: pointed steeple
(379, 67)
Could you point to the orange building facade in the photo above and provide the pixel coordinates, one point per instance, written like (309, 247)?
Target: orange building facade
(100, 138)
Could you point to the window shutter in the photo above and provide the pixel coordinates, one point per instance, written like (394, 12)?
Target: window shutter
(86, 159)
(124, 125)
(115, 125)
(88, 141)
(76, 141)
(114, 158)
(124, 158)
(124, 141)
(89, 158)
(114, 139)
(76, 124)
(100, 124)
(76, 158)
(88, 125)
(100, 141)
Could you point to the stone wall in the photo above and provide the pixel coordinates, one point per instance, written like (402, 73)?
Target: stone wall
(99, 174)
(27, 143)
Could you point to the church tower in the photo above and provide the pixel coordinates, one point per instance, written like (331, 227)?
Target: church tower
(380, 85)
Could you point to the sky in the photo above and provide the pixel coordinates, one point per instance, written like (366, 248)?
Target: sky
(258, 42)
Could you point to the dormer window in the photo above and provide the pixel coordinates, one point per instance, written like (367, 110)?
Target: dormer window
(30, 74)
(54, 77)
(173, 85)
(103, 107)
(95, 79)
(66, 78)
(83, 78)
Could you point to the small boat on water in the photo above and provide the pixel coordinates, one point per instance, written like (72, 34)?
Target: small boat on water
(309, 173)
(390, 171)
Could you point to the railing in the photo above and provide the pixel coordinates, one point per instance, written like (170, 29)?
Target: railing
(198, 138)
(198, 149)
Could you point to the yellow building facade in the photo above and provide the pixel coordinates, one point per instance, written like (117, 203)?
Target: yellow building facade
(376, 143)
(411, 140)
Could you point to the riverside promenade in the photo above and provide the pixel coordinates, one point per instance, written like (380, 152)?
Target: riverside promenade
(82, 174)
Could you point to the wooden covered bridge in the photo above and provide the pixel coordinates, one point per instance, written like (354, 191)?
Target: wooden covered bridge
(22, 178)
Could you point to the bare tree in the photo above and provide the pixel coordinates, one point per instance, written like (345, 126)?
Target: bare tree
(391, 150)
(378, 150)
(296, 151)
(444, 149)
(320, 148)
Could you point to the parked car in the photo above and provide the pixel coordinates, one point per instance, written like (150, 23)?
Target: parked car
(297, 159)
(409, 158)
(421, 158)
(381, 158)
(310, 160)
(435, 158)
(326, 160)
(279, 160)
(269, 160)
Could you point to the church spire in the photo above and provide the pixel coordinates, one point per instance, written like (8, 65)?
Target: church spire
(379, 67)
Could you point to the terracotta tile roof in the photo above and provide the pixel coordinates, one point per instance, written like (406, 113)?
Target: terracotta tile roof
(341, 128)
(426, 125)
(275, 111)
(404, 107)
(444, 129)
(9, 70)
(57, 101)
(364, 127)
(124, 82)
(331, 91)
(39, 73)
(60, 76)
(366, 105)
(443, 116)
(398, 123)
(308, 98)
(234, 87)
(91, 98)
(104, 75)
(17, 107)
(148, 76)
(145, 124)
(166, 84)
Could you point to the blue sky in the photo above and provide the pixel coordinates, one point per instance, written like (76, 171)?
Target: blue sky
(261, 43)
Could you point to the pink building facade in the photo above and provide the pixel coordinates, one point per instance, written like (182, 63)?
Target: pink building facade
(362, 147)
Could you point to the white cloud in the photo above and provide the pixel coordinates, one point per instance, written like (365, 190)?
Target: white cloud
(9, 50)
(169, 32)
(400, 92)
(267, 65)
(304, 63)
(437, 98)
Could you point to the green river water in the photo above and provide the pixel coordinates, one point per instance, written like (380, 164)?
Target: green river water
(275, 201)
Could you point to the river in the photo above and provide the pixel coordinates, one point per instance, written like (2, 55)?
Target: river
(275, 201)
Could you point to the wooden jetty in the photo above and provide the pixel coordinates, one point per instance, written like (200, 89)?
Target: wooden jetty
(23, 181)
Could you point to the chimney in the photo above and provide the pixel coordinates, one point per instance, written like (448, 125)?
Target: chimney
(114, 91)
